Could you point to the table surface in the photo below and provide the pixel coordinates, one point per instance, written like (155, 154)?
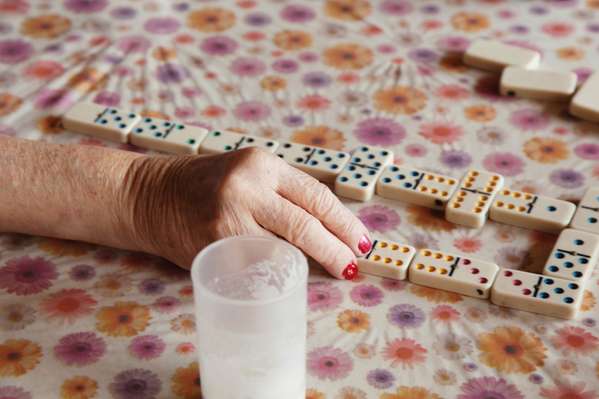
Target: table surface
(335, 74)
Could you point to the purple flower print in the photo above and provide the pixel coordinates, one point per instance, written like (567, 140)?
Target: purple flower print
(423, 55)
(329, 363)
(134, 44)
(285, 66)
(151, 286)
(297, 13)
(7, 130)
(489, 387)
(5, 28)
(380, 378)
(455, 159)
(380, 132)
(135, 384)
(593, 27)
(123, 13)
(406, 316)
(491, 135)
(587, 151)
(25, 275)
(218, 45)
(248, 67)
(529, 119)
(453, 43)
(536, 378)
(416, 150)
(366, 295)
(53, 98)
(82, 273)
(146, 347)
(393, 285)
(166, 304)
(396, 7)
(108, 98)
(13, 392)
(85, 6)
(251, 111)
(519, 29)
(538, 10)
(323, 296)
(181, 7)
(512, 257)
(316, 80)
(258, 19)
(162, 25)
(80, 349)
(379, 218)
(504, 163)
(583, 73)
(567, 178)
(171, 73)
(14, 51)
(308, 56)
(293, 120)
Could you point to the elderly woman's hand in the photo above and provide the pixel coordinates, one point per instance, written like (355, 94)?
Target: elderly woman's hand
(178, 205)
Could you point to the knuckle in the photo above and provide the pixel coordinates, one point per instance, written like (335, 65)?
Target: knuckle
(302, 229)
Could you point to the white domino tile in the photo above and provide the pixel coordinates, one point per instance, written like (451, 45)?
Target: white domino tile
(451, 272)
(536, 293)
(358, 179)
(470, 204)
(531, 211)
(387, 259)
(586, 217)
(574, 256)
(493, 56)
(99, 121)
(168, 136)
(537, 83)
(415, 186)
(323, 164)
(221, 141)
(585, 103)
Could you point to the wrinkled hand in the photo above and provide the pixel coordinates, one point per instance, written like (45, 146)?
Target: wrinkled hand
(178, 205)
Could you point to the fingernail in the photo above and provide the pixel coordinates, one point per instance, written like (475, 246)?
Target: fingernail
(364, 245)
(350, 271)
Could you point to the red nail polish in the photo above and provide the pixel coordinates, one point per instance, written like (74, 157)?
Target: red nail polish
(350, 271)
(364, 245)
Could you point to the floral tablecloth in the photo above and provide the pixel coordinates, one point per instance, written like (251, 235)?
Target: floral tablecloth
(80, 321)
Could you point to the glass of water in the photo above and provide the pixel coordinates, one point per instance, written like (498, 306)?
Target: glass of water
(250, 306)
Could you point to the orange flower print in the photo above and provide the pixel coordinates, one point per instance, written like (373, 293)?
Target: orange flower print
(292, 40)
(79, 387)
(353, 321)
(273, 83)
(435, 295)
(348, 56)
(511, 350)
(546, 150)
(68, 305)
(400, 100)
(593, 4)
(404, 352)
(43, 69)
(347, 10)
(575, 340)
(211, 19)
(112, 285)
(441, 132)
(314, 394)
(88, 80)
(452, 63)
(428, 219)
(184, 324)
(480, 113)
(467, 244)
(185, 383)
(18, 356)
(404, 392)
(64, 247)
(588, 301)
(50, 124)
(470, 21)
(320, 136)
(45, 26)
(570, 53)
(164, 53)
(123, 319)
(364, 351)
(9, 103)
(313, 102)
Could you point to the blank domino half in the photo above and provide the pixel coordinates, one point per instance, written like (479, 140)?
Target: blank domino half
(470, 203)
(585, 103)
(586, 217)
(358, 179)
(537, 84)
(167, 136)
(321, 163)
(574, 256)
(221, 141)
(493, 56)
(455, 273)
(100, 121)
(415, 186)
(387, 259)
(531, 211)
(536, 293)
